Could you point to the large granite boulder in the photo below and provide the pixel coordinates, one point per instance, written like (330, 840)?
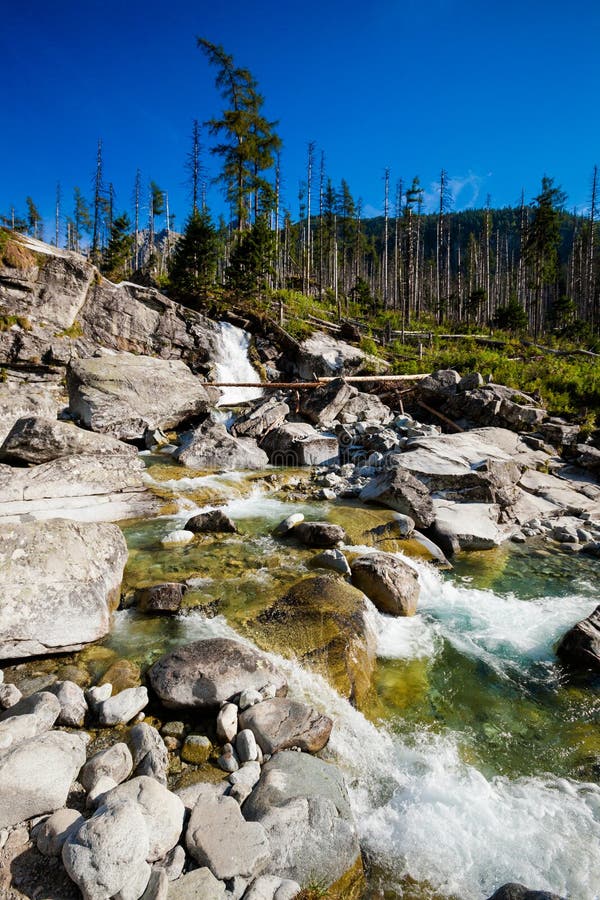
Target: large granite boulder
(325, 622)
(390, 583)
(321, 355)
(35, 439)
(162, 810)
(398, 489)
(126, 395)
(36, 774)
(295, 444)
(302, 803)
(58, 585)
(210, 446)
(580, 647)
(204, 674)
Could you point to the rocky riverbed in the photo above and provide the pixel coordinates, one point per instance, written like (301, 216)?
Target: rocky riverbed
(261, 681)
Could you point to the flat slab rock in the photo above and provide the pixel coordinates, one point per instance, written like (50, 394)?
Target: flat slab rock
(473, 525)
(281, 723)
(124, 395)
(35, 439)
(58, 585)
(220, 838)
(207, 672)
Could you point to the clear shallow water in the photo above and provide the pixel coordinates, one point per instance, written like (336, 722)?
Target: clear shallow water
(476, 761)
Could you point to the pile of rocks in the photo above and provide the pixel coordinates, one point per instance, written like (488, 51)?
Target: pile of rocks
(279, 821)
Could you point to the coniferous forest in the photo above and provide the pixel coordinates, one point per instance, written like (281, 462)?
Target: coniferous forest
(531, 268)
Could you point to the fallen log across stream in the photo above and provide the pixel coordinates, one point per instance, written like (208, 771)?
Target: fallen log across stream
(294, 385)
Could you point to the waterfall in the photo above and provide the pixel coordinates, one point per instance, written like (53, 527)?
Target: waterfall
(231, 364)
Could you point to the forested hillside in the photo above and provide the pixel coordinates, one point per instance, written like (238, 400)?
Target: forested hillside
(533, 268)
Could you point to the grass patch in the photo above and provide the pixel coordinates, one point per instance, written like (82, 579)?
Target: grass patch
(73, 331)
(6, 322)
(14, 254)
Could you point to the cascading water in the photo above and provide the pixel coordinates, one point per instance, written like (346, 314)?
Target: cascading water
(232, 365)
(477, 766)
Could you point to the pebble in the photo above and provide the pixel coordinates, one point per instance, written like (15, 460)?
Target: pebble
(98, 694)
(248, 774)
(196, 749)
(249, 698)
(245, 745)
(173, 729)
(228, 760)
(227, 722)
(9, 695)
(178, 537)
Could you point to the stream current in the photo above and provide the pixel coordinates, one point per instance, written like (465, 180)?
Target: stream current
(476, 760)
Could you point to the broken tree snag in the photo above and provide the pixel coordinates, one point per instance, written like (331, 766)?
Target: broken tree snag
(295, 385)
(440, 416)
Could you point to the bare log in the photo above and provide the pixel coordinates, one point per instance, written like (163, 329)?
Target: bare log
(295, 385)
(440, 416)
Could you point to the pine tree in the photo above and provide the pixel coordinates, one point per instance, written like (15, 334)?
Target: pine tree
(541, 249)
(250, 265)
(82, 220)
(117, 256)
(249, 142)
(194, 265)
(34, 220)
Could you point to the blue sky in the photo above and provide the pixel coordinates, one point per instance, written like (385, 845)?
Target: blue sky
(497, 93)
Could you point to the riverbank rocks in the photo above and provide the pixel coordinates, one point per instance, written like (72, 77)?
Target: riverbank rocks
(58, 585)
(323, 405)
(324, 621)
(398, 489)
(149, 753)
(201, 883)
(19, 400)
(107, 856)
(125, 395)
(208, 672)
(220, 838)
(390, 583)
(303, 805)
(296, 444)
(115, 762)
(122, 707)
(35, 440)
(210, 446)
(213, 521)
(281, 723)
(580, 647)
(36, 775)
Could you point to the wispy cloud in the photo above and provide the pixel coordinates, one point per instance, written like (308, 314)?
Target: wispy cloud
(466, 192)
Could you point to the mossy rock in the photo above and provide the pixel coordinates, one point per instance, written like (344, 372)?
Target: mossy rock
(323, 620)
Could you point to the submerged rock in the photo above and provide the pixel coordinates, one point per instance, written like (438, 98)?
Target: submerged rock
(391, 584)
(324, 621)
(208, 672)
(319, 534)
(515, 891)
(59, 585)
(161, 598)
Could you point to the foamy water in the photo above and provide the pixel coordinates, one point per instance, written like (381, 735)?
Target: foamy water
(232, 365)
